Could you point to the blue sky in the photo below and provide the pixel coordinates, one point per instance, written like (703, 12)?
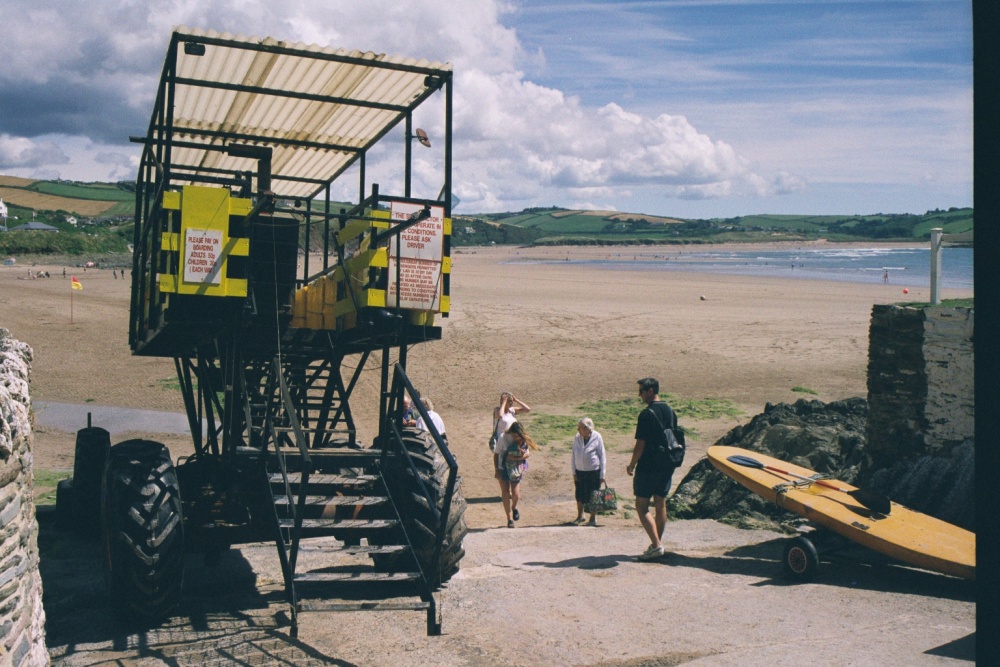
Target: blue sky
(695, 108)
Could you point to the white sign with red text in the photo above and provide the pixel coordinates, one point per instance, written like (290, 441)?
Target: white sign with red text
(417, 257)
(203, 256)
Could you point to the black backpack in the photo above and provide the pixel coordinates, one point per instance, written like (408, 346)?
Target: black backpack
(672, 447)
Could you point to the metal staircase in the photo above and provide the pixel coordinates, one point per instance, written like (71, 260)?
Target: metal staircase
(341, 541)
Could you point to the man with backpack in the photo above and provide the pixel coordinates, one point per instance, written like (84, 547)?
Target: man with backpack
(651, 467)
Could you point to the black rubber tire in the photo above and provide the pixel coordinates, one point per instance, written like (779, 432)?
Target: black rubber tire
(90, 455)
(143, 531)
(416, 514)
(65, 507)
(800, 559)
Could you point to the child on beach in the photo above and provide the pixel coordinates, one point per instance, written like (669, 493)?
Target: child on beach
(510, 460)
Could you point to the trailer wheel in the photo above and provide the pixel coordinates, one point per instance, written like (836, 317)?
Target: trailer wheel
(416, 514)
(143, 531)
(800, 559)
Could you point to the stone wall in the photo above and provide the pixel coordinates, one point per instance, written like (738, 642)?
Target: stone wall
(921, 409)
(22, 619)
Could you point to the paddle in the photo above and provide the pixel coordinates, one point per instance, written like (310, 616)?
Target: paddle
(873, 501)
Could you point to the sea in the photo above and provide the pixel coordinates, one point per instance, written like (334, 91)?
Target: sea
(907, 267)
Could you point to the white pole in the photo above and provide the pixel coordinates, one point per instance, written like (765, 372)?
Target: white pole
(936, 235)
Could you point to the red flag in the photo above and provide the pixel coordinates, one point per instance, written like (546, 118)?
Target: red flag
(76, 283)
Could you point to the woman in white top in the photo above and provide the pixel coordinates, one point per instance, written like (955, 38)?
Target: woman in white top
(435, 419)
(588, 463)
(506, 414)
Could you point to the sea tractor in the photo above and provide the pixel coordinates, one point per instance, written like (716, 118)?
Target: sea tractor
(272, 297)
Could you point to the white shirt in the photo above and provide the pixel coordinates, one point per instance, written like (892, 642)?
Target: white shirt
(504, 422)
(589, 455)
(435, 419)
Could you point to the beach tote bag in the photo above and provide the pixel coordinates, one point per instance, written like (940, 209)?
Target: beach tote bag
(603, 500)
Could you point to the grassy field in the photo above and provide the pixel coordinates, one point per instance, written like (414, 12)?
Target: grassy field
(542, 226)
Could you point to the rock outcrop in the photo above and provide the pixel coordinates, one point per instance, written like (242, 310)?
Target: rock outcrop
(828, 438)
(825, 437)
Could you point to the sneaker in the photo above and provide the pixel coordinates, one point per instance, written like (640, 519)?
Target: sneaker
(652, 553)
(510, 524)
(517, 515)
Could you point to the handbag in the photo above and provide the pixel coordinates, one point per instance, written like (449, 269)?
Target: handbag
(603, 499)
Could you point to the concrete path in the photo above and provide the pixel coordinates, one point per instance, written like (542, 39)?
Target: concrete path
(540, 596)
(73, 416)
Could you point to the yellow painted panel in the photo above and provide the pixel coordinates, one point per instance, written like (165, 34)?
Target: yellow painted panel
(240, 246)
(240, 206)
(446, 224)
(235, 286)
(445, 304)
(373, 298)
(170, 242)
(172, 201)
(168, 282)
(299, 308)
(446, 265)
(352, 229)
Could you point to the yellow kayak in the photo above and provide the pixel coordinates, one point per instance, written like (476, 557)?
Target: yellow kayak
(908, 536)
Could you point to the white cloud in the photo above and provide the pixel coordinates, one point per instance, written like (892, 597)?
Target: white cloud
(78, 82)
(22, 153)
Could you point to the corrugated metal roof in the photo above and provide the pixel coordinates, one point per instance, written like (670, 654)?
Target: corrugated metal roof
(315, 107)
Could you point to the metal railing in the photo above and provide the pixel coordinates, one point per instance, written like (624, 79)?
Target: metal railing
(393, 443)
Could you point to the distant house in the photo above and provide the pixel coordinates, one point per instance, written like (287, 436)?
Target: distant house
(34, 227)
(71, 220)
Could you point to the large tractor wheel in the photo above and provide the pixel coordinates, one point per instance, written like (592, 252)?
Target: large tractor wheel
(415, 512)
(143, 531)
(92, 446)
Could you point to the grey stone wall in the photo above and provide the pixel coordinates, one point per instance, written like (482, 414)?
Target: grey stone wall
(950, 410)
(22, 619)
(921, 410)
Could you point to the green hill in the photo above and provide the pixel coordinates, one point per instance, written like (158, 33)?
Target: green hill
(561, 226)
(104, 223)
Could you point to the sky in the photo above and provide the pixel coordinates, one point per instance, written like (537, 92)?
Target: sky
(687, 108)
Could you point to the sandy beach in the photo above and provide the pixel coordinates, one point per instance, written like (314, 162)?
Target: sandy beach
(557, 335)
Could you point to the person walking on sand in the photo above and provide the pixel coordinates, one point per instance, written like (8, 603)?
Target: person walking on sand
(510, 460)
(652, 476)
(506, 414)
(588, 465)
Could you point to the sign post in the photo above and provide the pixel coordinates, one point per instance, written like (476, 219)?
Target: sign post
(936, 236)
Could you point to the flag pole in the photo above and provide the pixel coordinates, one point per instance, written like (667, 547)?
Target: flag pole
(71, 290)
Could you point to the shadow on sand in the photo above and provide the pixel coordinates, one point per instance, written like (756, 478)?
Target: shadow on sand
(763, 561)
